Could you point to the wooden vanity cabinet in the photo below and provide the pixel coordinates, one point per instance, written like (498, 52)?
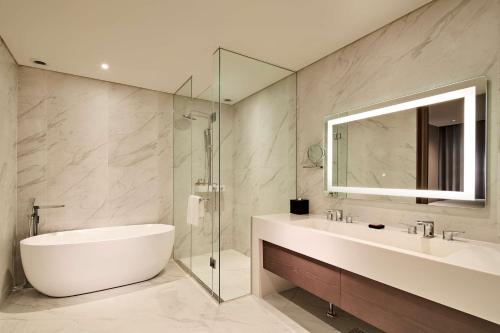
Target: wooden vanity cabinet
(316, 277)
(388, 308)
(394, 310)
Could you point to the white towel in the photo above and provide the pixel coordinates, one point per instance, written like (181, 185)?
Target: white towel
(195, 209)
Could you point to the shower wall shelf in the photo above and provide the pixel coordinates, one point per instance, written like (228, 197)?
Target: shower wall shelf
(209, 188)
(312, 166)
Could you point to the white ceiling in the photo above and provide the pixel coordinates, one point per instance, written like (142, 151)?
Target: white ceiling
(157, 44)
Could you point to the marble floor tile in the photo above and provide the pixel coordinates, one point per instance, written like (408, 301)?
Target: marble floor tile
(171, 302)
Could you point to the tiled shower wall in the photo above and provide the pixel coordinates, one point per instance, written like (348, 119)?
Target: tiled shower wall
(8, 165)
(102, 149)
(441, 43)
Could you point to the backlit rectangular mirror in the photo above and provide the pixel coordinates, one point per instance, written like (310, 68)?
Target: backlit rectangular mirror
(427, 148)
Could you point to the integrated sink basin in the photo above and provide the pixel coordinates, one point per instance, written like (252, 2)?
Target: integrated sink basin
(466, 253)
(389, 237)
(461, 274)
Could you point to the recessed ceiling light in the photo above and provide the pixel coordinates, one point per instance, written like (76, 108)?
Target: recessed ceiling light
(104, 66)
(39, 62)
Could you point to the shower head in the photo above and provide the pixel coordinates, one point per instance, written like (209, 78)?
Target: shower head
(188, 116)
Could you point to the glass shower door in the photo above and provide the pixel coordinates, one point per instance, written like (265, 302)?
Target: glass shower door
(194, 127)
(203, 136)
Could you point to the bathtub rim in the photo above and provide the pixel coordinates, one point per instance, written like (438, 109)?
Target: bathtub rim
(28, 241)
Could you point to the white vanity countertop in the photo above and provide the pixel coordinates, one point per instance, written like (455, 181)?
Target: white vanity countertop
(462, 274)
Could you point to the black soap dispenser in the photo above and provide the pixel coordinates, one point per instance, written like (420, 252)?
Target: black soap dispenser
(299, 206)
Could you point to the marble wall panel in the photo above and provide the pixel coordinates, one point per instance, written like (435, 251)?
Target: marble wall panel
(77, 161)
(264, 156)
(32, 142)
(104, 150)
(133, 167)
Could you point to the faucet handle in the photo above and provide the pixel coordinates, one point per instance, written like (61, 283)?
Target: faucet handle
(410, 228)
(349, 218)
(449, 234)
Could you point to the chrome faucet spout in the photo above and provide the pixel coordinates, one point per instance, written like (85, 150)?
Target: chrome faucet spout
(334, 214)
(428, 228)
(35, 217)
(49, 206)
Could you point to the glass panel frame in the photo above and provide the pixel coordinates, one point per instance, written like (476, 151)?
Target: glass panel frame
(182, 99)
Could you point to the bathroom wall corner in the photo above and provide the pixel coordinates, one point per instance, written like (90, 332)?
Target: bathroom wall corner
(8, 165)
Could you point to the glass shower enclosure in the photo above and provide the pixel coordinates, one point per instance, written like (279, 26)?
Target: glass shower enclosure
(235, 149)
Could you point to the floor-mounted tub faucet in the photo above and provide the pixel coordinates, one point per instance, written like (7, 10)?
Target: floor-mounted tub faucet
(35, 218)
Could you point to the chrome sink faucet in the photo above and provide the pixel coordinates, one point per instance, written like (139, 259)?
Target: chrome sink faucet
(334, 214)
(428, 228)
(35, 218)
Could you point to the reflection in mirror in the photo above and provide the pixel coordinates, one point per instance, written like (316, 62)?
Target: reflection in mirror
(440, 148)
(428, 148)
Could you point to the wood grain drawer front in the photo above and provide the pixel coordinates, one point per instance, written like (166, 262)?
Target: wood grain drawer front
(394, 310)
(316, 277)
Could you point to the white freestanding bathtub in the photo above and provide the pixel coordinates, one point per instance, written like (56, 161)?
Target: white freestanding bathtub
(80, 261)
